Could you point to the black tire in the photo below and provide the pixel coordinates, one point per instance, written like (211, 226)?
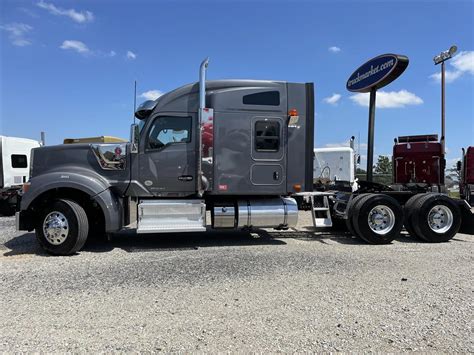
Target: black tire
(67, 212)
(350, 212)
(420, 217)
(409, 210)
(361, 216)
(6, 209)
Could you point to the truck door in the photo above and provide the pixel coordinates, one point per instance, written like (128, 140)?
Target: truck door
(167, 160)
(267, 151)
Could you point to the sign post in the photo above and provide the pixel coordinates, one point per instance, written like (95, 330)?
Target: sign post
(370, 135)
(441, 58)
(375, 74)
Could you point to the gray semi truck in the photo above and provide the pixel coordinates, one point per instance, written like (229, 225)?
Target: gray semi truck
(229, 147)
(239, 149)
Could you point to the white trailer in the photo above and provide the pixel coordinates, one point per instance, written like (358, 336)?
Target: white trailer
(15, 157)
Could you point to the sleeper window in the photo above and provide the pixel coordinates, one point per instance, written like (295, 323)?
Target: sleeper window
(267, 136)
(19, 161)
(168, 130)
(269, 98)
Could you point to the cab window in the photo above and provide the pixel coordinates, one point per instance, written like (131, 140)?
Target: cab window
(167, 130)
(19, 161)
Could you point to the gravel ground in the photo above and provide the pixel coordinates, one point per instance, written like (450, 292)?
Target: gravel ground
(271, 291)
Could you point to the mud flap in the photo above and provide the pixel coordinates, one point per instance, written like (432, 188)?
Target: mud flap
(467, 224)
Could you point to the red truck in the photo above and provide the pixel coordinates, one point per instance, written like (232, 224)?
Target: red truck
(466, 169)
(419, 160)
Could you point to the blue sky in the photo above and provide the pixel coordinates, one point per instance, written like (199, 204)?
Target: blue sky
(67, 67)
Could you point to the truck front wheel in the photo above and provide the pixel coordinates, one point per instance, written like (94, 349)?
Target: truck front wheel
(62, 227)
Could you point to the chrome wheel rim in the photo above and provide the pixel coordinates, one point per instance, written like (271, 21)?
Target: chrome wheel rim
(440, 219)
(381, 219)
(55, 228)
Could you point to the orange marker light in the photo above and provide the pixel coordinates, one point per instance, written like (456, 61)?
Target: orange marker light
(297, 187)
(293, 112)
(26, 187)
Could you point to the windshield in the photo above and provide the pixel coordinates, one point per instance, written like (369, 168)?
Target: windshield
(141, 124)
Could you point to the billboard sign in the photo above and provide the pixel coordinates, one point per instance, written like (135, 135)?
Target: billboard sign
(377, 72)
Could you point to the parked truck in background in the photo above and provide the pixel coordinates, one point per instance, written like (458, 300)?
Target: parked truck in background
(15, 160)
(335, 166)
(240, 149)
(466, 174)
(418, 161)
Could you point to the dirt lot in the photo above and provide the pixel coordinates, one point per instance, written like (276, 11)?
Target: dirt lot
(271, 291)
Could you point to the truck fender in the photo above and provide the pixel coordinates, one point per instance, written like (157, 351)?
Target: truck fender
(95, 187)
(112, 210)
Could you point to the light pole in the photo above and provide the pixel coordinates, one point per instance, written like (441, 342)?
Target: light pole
(441, 58)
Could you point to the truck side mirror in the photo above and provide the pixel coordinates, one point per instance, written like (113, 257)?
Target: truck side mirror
(134, 138)
(358, 158)
(458, 165)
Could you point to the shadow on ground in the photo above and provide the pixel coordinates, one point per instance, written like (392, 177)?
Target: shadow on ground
(129, 241)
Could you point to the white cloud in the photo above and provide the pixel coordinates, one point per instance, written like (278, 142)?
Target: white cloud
(333, 99)
(151, 94)
(130, 55)
(390, 99)
(78, 46)
(112, 54)
(28, 12)
(77, 16)
(463, 63)
(334, 49)
(17, 32)
(449, 76)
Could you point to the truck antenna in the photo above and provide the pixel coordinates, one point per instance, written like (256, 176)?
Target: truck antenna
(134, 101)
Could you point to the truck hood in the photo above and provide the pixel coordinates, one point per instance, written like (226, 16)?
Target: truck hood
(108, 162)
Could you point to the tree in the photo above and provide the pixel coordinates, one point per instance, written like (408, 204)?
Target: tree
(383, 170)
(361, 174)
(453, 176)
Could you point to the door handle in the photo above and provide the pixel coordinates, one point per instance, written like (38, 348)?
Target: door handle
(276, 176)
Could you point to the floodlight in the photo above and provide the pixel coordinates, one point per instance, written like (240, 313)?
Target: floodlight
(443, 56)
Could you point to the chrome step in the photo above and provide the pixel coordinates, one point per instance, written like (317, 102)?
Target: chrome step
(319, 202)
(321, 222)
(168, 216)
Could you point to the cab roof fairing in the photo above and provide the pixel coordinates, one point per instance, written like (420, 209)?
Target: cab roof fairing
(186, 98)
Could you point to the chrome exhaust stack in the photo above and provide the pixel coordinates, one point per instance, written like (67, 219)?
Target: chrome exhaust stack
(201, 180)
(202, 83)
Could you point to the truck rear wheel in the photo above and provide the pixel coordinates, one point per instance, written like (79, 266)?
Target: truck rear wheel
(409, 210)
(62, 227)
(436, 218)
(378, 219)
(352, 205)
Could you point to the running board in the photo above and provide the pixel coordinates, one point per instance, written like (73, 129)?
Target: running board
(171, 216)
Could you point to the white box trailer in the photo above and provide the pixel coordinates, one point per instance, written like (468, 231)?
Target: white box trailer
(15, 158)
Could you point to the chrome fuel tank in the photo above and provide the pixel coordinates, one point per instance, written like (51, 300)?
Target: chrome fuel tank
(261, 213)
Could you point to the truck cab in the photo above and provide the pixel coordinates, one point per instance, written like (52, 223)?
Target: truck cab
(419, 160)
